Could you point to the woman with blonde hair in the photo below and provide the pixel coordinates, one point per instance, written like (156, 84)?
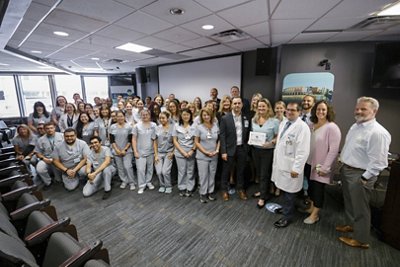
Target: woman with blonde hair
(254, 101)
(264, 122)
(280, 109)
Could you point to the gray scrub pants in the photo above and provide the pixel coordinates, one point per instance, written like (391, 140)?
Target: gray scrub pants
(44, 170)
(102, 180)
(72, 183)
(125, 169)
(144, 166)
(207, 169)
(185, 173)
(163, 169)
(356, 202)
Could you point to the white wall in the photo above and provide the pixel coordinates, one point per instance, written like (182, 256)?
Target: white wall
(191, 79)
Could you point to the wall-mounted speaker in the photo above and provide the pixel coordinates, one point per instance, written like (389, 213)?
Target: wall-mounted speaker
(141, 76)
(263, 61)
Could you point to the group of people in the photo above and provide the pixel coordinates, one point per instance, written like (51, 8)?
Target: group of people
(297, 152)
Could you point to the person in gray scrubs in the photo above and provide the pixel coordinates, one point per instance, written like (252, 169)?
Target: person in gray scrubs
(44, 149)
(85, 127)
(185, 148)
(143, 143)
(70, 157)
(120, 138)
(164, 153)
(102, 126)
(99, 169)
(207, 144)
(24, 144)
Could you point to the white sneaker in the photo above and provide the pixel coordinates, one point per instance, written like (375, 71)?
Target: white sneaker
(140, 191)
(132, 187)
(150, 186)
(123, 185)
(162, 189)
(168, 190)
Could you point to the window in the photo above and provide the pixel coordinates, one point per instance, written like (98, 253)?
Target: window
(36, 88)
(96, 86)
(68, 85)
(8, 105)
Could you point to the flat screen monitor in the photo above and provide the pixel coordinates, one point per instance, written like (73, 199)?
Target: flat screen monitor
(386, 71)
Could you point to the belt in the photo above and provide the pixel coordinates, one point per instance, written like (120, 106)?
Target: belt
(240, 146)
(353, 168)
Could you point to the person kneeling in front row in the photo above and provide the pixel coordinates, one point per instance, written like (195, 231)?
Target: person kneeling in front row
(70, 157)
(99, 169)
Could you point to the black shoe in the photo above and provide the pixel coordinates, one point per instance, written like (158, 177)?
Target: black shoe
(211, 197)
(188, 193)
(279, 211)
(106, 194)
(203, 198)
(281, 223)
(46, 187)
(182, 193)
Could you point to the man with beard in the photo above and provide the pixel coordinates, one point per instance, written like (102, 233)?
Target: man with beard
(70, 157)
(214, 97)
(43, 150)
(306, 105)
(99, 169)
(364, 156)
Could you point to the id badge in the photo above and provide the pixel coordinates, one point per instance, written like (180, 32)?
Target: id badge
(107, 142)
(289, 147)
(209, 135)
(77, 160)
(187, 136)
(246, 124)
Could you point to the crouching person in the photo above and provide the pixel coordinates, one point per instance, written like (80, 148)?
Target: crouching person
(99, 169)
(70, 157)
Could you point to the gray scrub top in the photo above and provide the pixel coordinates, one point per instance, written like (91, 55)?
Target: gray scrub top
(88, 132)
(208, 139)
(45, 145)
(144, 138)
(185, 138)
(24, 143)
(102, 126)
(96, 159)
(121, 135)
(58, 111)
(36, 121)
(70, 156)
(164, 139)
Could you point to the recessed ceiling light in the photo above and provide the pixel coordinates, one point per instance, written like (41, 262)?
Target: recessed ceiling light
(36, 51)
(134, 47)
(59, 33)
(207, 27)
(4, 64)
(176, 11)
(392, 10)
(95, 58)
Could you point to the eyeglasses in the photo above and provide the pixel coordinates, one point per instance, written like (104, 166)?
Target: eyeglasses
(291, 110)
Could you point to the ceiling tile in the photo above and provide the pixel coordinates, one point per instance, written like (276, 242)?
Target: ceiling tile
(175, 48)
(357, 8)
(144, 23)
(137, 4)
(67, 20)
(120, 33)
(153, 42)
(312, 37)
(220, 4)
(273, 4)
(36, 11)
(191, 9)
(218, 23)
(245, 45)
(351, 36)
(280, 38)
(256, 30)
(104, 10)
(246, 14)
(219, 49)
(196, 53)
(289, 26)
(334, 23)
(266, 39)
(200, 42)
(177, 35)
(305, 9)
(46, 30)
(45, 2)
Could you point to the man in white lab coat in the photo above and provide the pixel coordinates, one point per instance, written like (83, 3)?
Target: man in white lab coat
(291, 153)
